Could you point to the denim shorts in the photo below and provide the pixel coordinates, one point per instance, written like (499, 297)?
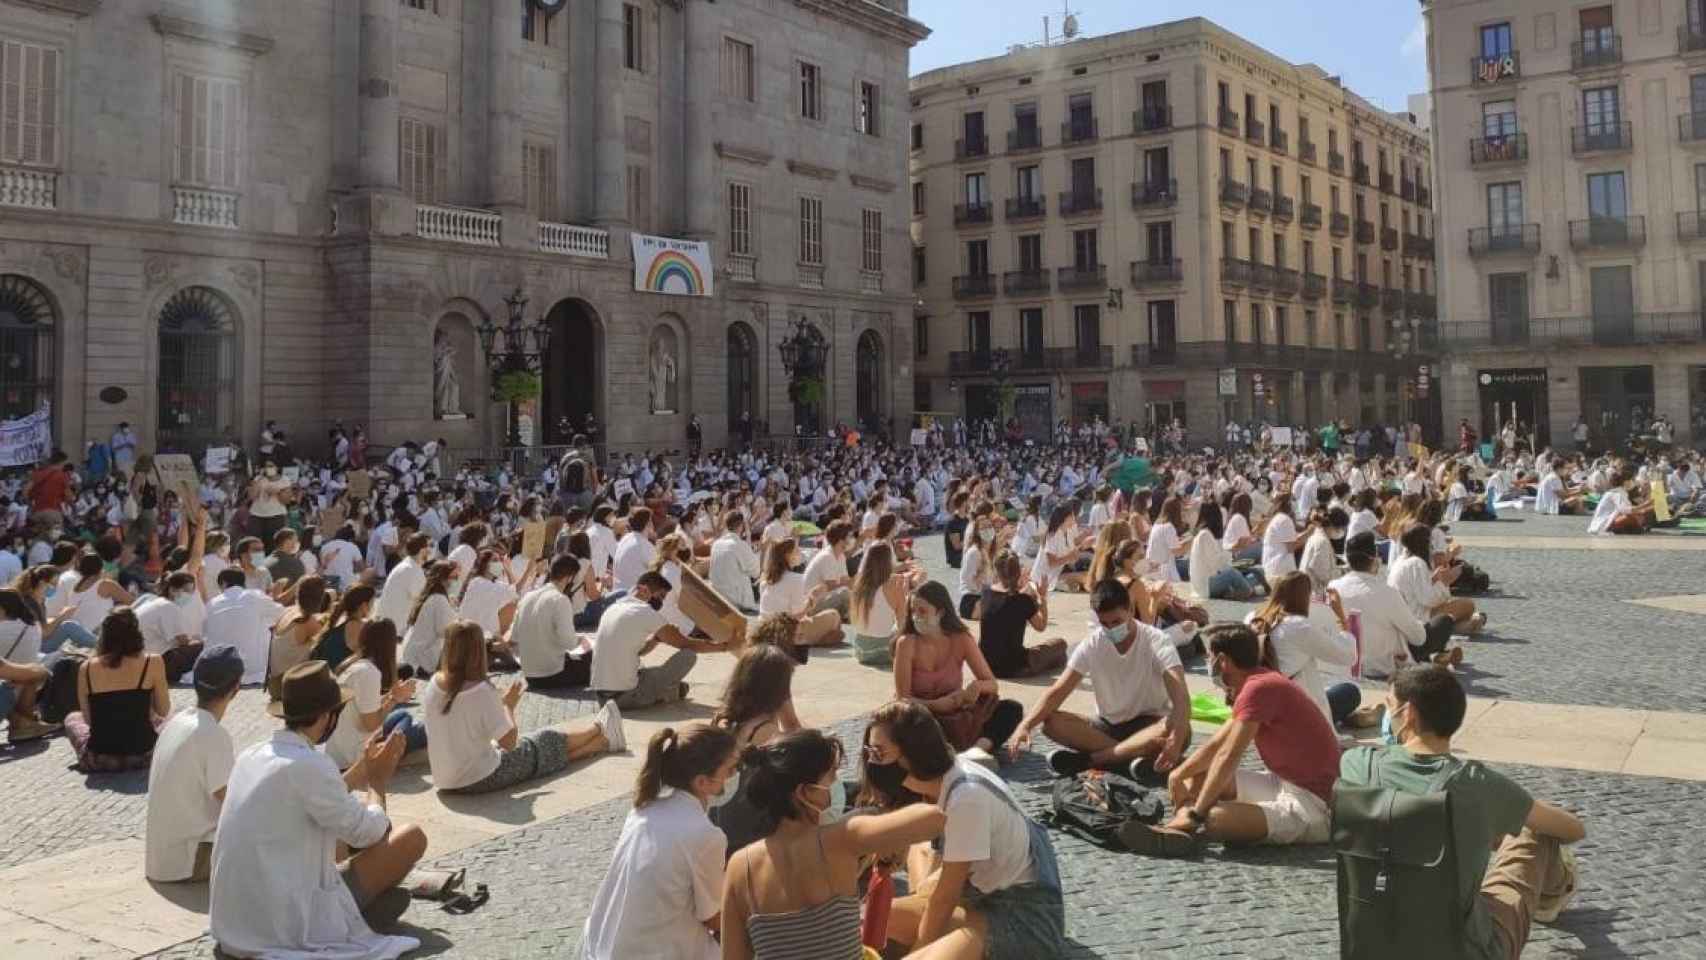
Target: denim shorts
(1025, 921)
(8, 698)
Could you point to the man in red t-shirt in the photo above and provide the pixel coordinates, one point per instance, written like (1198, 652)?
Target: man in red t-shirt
(1213, 799)
(49, 489)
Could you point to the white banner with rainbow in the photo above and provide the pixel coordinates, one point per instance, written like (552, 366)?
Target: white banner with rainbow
(680, 268)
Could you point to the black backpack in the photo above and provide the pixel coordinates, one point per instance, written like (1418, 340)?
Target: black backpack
(1094, 806)
(1397, 872)
(58, 699)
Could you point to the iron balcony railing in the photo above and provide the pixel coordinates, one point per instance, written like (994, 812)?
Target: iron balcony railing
(1262, 276)
(1624, 231)
(1603, 51)
(1285, 209)
(1087, 277)
(1387, 184)
(1026, 208)
(1229, 120)
(1278, 356)
(1286, 282)
(1495, 68)
(965, 213)
(1335, 162)
(1152, 118)
(1389, 238)
(1081, 130)
(1407, 189)
(1691, 127)
(1365, 231)
(1613, 328)
(1235, 272)
(1507, 238)
(1602, 137)
(1690, 226)
(1019, 282)
(1233, 193)
(1080, 201)
(1306, 152)
(1344, 291)
(1261, 201)
(1255, 130)
(1029, 137)
(1154, 193)
(1278, 140)
(1087, 357)
(1359, 173)
(1368, 295)
(1417, 245)
(971, 147)
(973, 286)
(1310, 216)
(1392, 301)
(1424, 196)
(1690, 38)
(1314, 286)
(1340, 224)
(1153, 273)
(1505, 148)
(1423, 305)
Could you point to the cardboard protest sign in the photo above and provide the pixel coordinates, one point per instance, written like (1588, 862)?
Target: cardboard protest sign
(177, 474)
(710, 612)
(360, 484)
(1661, 502)
(533, 540)
(332, 518)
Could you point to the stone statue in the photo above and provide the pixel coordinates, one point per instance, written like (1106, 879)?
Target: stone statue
(446, 391)
(662, 376)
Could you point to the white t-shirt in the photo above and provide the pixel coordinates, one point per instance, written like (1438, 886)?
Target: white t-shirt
(1058, 543)
(483, 600)
(361, 679)
(1237, 528)
(162, 621)
(634, 556)
(665, 880)
(1127, 685)
(622, 633)
(1362, 521)
(338, 558)
(973, 575)
(1549, 498)
(1612, 505)
(192, 760)
(459, 743)
(985, 830)
(1277, 560)
(823, 567)
(425, 639)
(20, 642)
(787, 595)
(1163, 541)
(463, 556)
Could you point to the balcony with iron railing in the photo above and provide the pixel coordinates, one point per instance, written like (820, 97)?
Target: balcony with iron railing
(1152, 119)
(1080, 201)
(1368, 296)
(974, 286)
(1255, 130)
(1314, 286)
(1261, 201)
(1086, 357)
(1025, 138)
(1154, 194)
(1523, 238)
(1339, 224)
(1389, 239)
(1156, 273)
(1026, 208)
(1604, 51)
(1229, 120)
(1262, 276)
(1392, 300)
(1387, 183)
(1691, 38)
(1025, 282)
(1078, 130)
(967, 214)
(1309, 216)
(1359, 172)
(1235, 272)
(1278, 140)
(1306, 152)
(1335, 162)
(972, 148)
(1690, 226)
(1086, 277)
(1365, 231)
(1505, 148)
(1407, 189)
(1627, 231)
(1495, 68)
(1691, 128)
(1216, 354)
(1233, 193)
(1285, 209)
(1614, 328)
(1602, 138)
(1417, 245)
(1423, 305)
(1286, 282)
(1344, 291)
(1424, 196)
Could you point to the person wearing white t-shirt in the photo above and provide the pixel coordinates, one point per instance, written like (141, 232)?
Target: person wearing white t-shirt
(487, 596)
(1165, 546)
(166, 629)
(602, 540)
(1616, 513)
(473, 742)
(186, 777)
(734, 565)
(635, 553)
(784, 591)
(543, 636)
(467, 548)
(1237, 538)
(339, 557)
(828, 569)
(1142, 704)
(370, 679)
(405, 582)
(629, 630)
(1061, 546)
(1280, 540)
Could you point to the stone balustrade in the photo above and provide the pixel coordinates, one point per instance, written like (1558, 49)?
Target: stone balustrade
(197, 207)
(458, 224)
(574, 240)
(22, 187)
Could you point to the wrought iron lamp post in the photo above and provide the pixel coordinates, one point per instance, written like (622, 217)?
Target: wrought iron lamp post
(522, 349)
(803, 354)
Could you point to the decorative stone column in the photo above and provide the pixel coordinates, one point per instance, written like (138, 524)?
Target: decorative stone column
(702, 47)
(610, 190)
(377, 204)
(507, 192)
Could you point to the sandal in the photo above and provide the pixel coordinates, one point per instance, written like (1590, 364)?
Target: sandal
(439, 885)
(464, 903)
(1140, 837)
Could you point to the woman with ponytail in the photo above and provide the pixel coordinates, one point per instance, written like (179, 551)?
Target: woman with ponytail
(794, 894)
(662, 896)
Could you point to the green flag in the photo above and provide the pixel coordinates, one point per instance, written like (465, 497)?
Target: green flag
(1132, 473)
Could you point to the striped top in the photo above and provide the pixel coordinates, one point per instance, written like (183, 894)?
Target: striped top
(828, 931)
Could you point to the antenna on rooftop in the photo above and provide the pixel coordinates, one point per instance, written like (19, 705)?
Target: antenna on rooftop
(1068, 22)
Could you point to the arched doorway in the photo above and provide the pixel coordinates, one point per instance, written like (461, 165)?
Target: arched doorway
(27, 357)
(868, 381)
(197, 375)
(573, 371)
(742, 373)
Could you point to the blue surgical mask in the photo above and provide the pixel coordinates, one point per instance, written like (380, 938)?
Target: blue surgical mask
(731, 786)
(1387, 734)
(1118, 634)
(257, 559)
(837, 808)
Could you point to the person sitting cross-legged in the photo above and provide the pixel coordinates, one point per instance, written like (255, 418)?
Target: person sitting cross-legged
(1212, 798)
(628, 631)
(186, 781)
(1533, 873)
(1143, 708)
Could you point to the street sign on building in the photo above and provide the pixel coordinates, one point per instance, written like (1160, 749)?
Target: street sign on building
(1229, 383)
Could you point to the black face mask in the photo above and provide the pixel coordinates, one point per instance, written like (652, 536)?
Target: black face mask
(332, 727)
(887, 778)
(656, 603)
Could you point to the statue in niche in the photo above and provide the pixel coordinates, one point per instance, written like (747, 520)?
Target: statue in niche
(663, 373)
(446, 388)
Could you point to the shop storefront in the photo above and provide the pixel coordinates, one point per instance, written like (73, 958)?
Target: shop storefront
(1697, 405)
(1518, 394)
(1033, 405)
(1164, 402)
(1090, 400)
(1617, 403)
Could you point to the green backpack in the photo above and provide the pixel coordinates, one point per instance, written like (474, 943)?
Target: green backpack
(1397, 872)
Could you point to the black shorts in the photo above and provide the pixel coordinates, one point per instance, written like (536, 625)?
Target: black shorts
(1120, 732)
(968, 605)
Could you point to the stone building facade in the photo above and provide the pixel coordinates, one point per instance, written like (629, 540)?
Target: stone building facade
(249, 211)
(1572, 140)
(1168, 223)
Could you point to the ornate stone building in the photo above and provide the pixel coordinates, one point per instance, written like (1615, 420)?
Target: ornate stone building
(244, 210)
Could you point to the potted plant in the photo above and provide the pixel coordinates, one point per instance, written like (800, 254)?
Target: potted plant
(516, 386)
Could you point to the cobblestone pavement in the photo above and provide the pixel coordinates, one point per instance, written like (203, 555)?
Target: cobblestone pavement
(1256, 903)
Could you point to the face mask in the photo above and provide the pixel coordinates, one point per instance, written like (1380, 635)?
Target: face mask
(1118, 634)
(51, 590)
(331, 727)
(987, 536)
(887, 778)
(731, 786)
(927, 623)
(272, 471)
(494, 570)
(453, 584)
(837, 808)
(256, 559)
(656, 603)
(1388, 734)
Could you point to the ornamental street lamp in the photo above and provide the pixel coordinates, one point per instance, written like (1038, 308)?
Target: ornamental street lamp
(803, 354)
(1000, 361)
(508, 351)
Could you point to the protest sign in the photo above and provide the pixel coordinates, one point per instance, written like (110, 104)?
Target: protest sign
(26, 440)
(533, 540)
(360, 484)
(177, 473)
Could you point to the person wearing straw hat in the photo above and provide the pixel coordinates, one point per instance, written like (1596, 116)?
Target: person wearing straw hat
(279, 889)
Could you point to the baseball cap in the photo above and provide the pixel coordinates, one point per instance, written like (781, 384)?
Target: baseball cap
(218, 669)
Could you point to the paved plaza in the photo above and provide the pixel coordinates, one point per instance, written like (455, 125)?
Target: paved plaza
(1585, 690)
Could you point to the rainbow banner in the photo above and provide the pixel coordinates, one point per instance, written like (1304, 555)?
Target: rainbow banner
(680, 268)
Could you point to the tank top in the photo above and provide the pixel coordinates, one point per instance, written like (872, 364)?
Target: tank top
(120, 724)
(827, 931)
(879, 619)
(940, 681)
(90, 607)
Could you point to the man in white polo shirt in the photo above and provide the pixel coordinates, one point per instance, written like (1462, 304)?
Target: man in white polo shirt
(243, 619)
(628, 631)
(634, 554)
(186, 780)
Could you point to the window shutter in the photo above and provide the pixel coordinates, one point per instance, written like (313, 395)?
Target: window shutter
(11, 99)
(48, 115)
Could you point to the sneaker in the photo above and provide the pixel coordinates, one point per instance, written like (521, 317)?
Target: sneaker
(1140, 837)
(1365, 718)
(1143, 771)
(386, 909)
(27, 729)
(1548, 906)
(982, 758)
(1449, 658)
(1476, 622)
(608, 720)
(685, 689)
(1068, 763)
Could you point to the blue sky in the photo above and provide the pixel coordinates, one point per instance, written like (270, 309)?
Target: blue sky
(1376, 45)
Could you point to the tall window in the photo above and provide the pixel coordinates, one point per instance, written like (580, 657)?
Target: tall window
(811, 91)
(1697, 92)
(811, 230)
(918, 266)
(1700, 186)
(737, 70)
(921, 337)
(977, 258)
(633, 38)
(1229, 321)
(1084, 254)
(197, 386)
(1028, 183)
(740, 219)
(1157, 167)
(1498, 119)
(209, 131)
(871, 232)
(536, 25)
(1607, 198)
(421, 164)
(1031, 334)
(1600, 108)
(918, 198)
(977, 189)
(977, 332)
(1087, 325)
(539, 175)
(29, 104)
(1596, 25)
(640, 196)
(918, 136)
(1030, 252)
(1507, 300)
(1158, 242)
(1084, 178)
(26, 341)
(742, 356)
(1496, 40)
(870, 100)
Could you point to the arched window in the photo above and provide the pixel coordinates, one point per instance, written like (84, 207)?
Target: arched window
(868, 380)
(27, 359)
(198, 371)
(743, 372)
